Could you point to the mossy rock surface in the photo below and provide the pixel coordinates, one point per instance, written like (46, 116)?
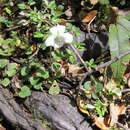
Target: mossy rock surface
(59, 110)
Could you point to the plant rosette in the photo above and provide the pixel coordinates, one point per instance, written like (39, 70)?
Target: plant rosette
(58, 37)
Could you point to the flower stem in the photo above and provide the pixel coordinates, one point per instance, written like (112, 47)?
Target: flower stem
(78, 56)
(82, 61)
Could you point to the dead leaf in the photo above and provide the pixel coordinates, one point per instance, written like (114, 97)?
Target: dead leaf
(11, 3)
(102, 123)
(74, 69)
(63, 21)
(101, 70)
(106, 123)
(111, 85)
(2, 128)
(63, 71)
(88, 92)
(128, 82)
(81, 105)
(16, 83)
(113, 114)
(113, 12)
(124, 12)
(115, 111)
(121, 109)
(68, 12)
(1, 37)
(89, 16)
(93, 2)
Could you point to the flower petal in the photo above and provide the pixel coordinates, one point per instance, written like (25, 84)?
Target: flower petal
(58, 44)
(53, 30)
(61, 28)
(68, 38)
(50, 41)
(57, 30)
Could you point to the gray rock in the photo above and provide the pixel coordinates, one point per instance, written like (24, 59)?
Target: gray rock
(14, 114)
(58, 110)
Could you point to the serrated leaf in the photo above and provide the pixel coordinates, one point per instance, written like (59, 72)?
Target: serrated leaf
(119, 43)
(25, 92)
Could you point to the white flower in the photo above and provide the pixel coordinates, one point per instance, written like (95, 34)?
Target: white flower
(58, 37)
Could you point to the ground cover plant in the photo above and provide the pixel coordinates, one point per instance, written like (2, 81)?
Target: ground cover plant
(39, 51)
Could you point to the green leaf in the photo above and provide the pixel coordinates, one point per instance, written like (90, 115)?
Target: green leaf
(43, 46)
(124, 23)
(11, 73)
(87, 85)
(11, 70)
(38, 35)
(94, 96)
(57, 55)
(5, 82)
(38, 86)
(12, 66)
(43, 74)
(90, 63)
(22, 6)
(119, 43)
(104, 2)
(6, 21)
(54, 89)
(25, 92)
(117, 91)
(71, 59)
(100, 108)
(33, 80)
(90, 106)
(25, 70)
(3, 63)
(8, 11)
(127, 16)
(98, 87)
(89, 96)
(31, 2)
(55, 66)
(58, 74)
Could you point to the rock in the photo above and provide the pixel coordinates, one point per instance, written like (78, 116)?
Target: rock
(58, 110)
(14, 114)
